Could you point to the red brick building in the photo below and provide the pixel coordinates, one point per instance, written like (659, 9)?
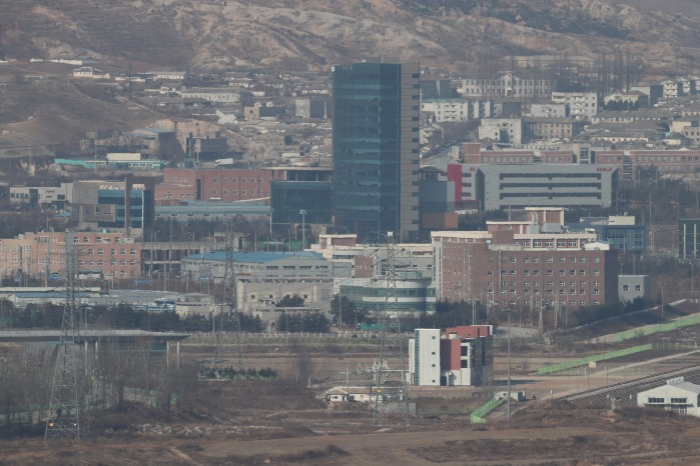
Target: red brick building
(35, 254)
(531, 270)
(221, 184)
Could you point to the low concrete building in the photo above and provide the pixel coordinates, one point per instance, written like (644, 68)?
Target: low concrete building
(677, 395)
(631, 287)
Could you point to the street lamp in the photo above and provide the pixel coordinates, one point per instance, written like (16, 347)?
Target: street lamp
(302, 212)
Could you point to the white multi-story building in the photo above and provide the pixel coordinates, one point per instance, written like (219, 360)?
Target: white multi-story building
(581, 104)
(424, 357)
(448, 110)
(505, 85)
(505, 130)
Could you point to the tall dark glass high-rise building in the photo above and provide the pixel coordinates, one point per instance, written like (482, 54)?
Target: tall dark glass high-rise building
(376, 149)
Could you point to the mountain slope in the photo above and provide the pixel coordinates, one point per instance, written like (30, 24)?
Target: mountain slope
(314, 34)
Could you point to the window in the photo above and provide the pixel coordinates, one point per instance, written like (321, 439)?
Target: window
(513, 273)
(113, 252)
(526, 260)
(679, 400)
(656, 400)
(526, 273)
(596, 273)
(625, 287)
(572, 283)
(513, 260)
(582, 260)
(562, 273)
(536, 273)
(536, 260)
(550, 260)
(132, 252)
(637, 287)
(562, 260)
(572, 272)
(489, 273)
(582, 283)
(596, 292)
(582, 272)
(596, 260)
(122, 252)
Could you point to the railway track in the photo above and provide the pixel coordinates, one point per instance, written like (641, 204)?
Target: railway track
(626, 392)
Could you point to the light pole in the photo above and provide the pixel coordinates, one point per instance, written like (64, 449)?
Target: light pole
(509, 364)
(302, 212)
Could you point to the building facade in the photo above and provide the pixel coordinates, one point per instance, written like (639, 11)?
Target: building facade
(42, 255)
(226, 185)
(556, 185)
(677, 395)
(457, 356)
(120, 205)
(524, 269)
(376, 148)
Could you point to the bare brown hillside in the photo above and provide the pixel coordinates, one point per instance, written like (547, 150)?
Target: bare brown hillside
(314, 34)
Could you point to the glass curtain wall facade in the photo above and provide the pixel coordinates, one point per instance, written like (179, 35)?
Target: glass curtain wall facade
(375, 149)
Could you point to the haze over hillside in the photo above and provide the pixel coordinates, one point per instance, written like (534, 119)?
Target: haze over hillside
(314, 34)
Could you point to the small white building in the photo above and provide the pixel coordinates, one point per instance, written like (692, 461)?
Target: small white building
(90, 72)
(677, 395)
(350, 395)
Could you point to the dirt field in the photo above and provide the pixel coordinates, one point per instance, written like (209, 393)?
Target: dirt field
(282, 422)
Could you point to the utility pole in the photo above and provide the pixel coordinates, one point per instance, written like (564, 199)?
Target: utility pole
(509, 362)
(302, 212)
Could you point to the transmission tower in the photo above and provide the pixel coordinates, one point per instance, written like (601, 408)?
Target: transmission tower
(67, 418)
(229, 294)
(385, 388)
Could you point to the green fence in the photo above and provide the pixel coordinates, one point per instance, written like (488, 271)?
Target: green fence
(477, 417)
(652, 329)
(596, 357)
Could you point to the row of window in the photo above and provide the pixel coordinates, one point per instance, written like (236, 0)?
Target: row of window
(101, 252)
(550, 283)
(102, 263)
(536, 273)
(562, 292)
(235, 180)
(537, 303)
(550, 259)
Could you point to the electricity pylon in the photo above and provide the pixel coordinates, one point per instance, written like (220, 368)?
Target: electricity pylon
(67, 408)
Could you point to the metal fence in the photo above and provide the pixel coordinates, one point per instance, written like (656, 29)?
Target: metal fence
(478, 416)
(247, 338)
(652, 329)
(594, 358)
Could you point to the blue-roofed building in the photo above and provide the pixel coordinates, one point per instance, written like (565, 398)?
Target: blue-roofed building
(264, 278)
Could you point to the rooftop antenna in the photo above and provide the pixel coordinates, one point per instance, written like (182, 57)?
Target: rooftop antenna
(67, 418)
